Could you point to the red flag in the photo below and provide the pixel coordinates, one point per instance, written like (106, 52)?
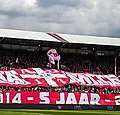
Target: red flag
(53, 55)
(51, 59)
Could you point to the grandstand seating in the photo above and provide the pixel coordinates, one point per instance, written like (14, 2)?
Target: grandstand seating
(68, 62)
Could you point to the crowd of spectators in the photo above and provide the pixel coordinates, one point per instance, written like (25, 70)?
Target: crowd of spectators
(67, 88)
(106, 64)
(22, 59)
(80, 63)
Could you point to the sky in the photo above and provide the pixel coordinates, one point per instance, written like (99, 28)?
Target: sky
(82, 17)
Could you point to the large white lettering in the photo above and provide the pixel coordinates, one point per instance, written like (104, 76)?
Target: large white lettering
(46, 76)
(12, 78)
(117, 100)
(17, 98)
(84, 79)
(95, 98)
(71, 99)
(1, 98)
(83, 99)
(2, 78)
(62, 99)
(44, 97)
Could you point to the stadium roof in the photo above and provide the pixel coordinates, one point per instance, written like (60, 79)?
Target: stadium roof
(8, 33)
(91, 40)
(42, 36)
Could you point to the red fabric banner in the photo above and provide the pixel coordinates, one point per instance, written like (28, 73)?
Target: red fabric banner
(55, 78)
(53, 55)
(59, 98)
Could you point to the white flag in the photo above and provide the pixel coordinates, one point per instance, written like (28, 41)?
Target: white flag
(17, 60)
(53, 55)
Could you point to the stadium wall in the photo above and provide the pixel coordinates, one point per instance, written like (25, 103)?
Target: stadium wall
(59, 107)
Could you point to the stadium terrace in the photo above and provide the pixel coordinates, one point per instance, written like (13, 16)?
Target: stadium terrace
(52, 68)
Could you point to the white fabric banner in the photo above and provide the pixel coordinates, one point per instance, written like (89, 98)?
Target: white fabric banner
(53, 55)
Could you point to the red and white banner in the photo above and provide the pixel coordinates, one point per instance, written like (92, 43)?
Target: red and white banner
(55, 78)
(53, 55)
(58, 98)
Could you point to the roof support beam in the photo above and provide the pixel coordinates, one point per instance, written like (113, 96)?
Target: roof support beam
(2, 39)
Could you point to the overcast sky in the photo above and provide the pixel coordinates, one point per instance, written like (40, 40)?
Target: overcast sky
(88, 17)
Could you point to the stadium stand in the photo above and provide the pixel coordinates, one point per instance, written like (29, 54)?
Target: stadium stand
(67, 88)
(77, 63)
(79, 54)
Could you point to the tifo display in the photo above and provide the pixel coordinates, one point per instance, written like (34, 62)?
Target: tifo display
(28, 97)
(51, 86)
(52, 77)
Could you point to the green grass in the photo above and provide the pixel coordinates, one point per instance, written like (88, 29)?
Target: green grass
(58, 112)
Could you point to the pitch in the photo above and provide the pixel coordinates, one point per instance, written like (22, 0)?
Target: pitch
(58, 112)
